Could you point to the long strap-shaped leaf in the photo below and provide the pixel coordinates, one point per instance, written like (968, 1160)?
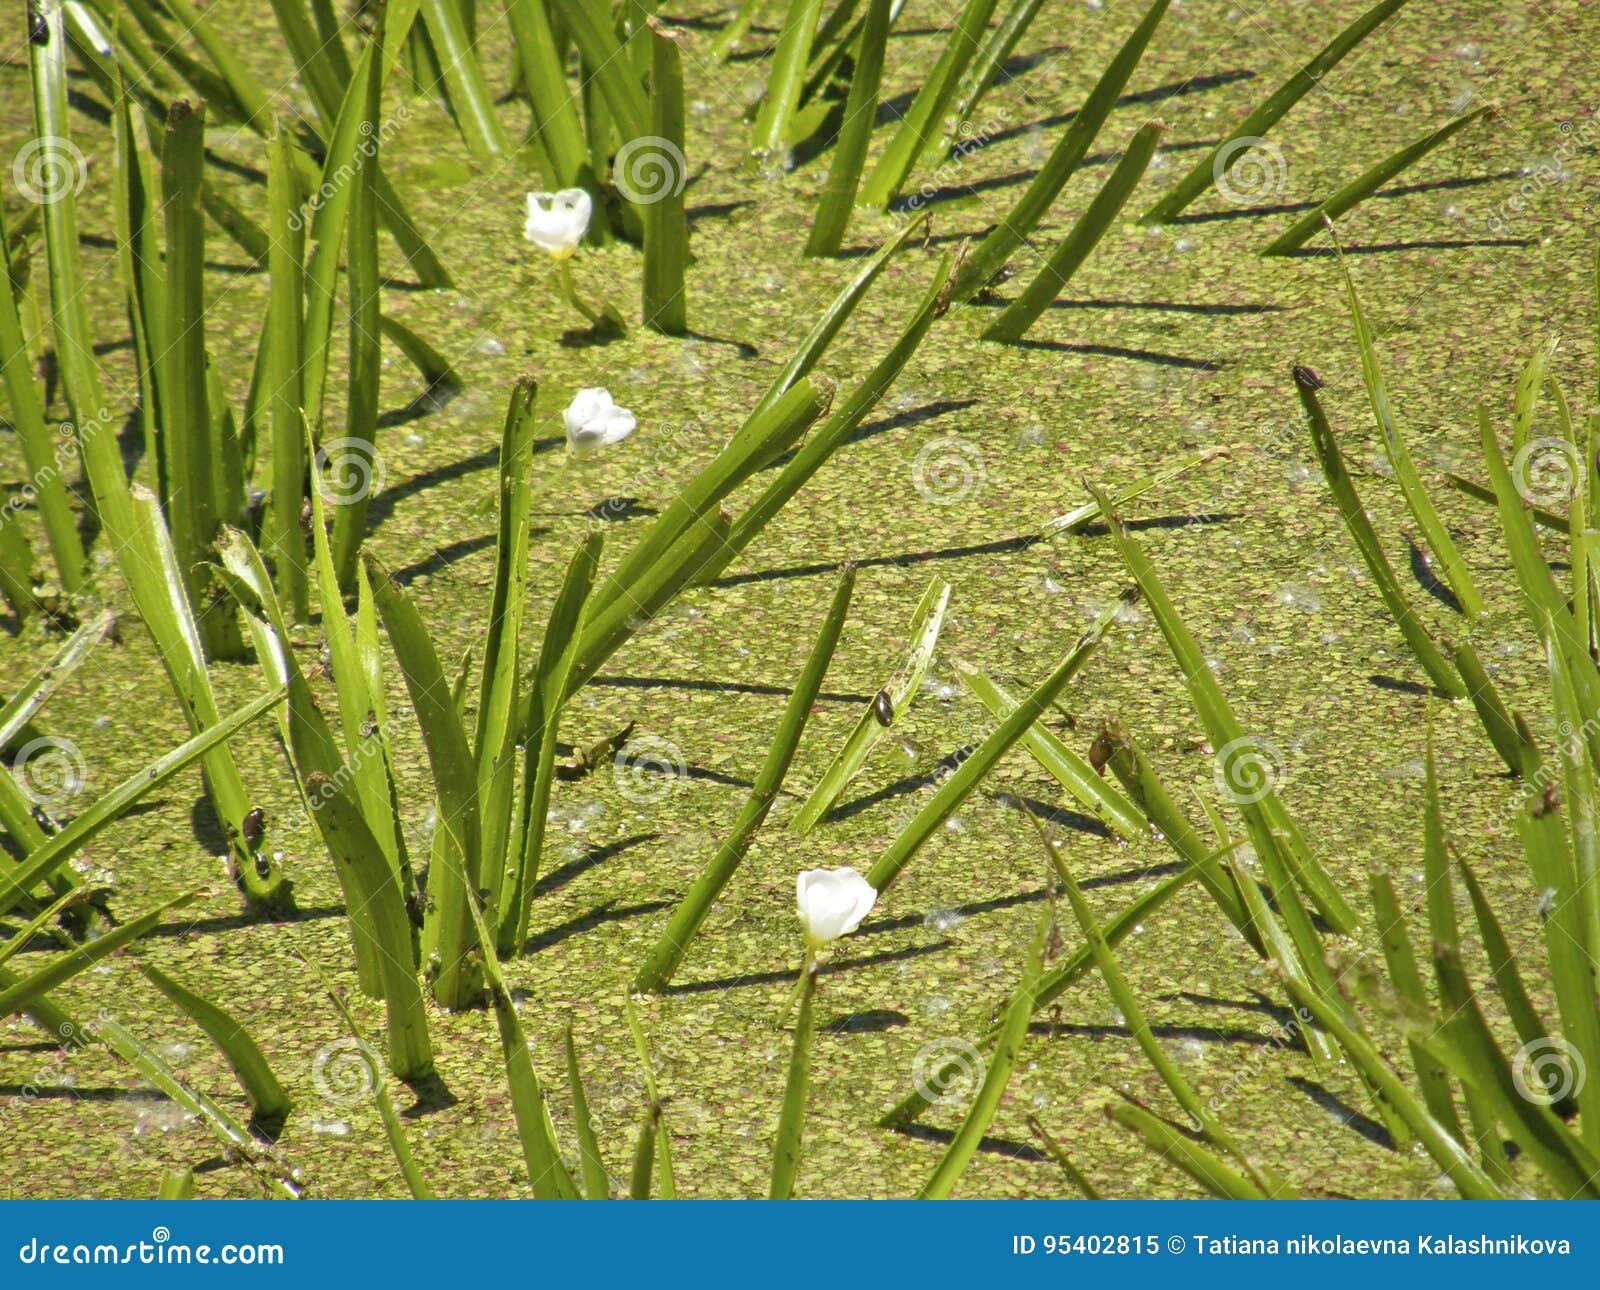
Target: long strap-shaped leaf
(80, 958)
(923, 122)
(691, 912)
(1433, 662)
(448, 935)
(1367, 183)
(882, 712)
(1284, 853)
(1247, 134)
(998, 247)
(966, 777)
(107, 810)
(997, 1074)
(546, 692)
(1086, 233)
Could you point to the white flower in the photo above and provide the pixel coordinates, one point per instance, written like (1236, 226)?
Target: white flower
(558, 221)
(594, 421)
(832, 903)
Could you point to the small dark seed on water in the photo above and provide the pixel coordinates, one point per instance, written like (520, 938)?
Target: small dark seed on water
(883, 708)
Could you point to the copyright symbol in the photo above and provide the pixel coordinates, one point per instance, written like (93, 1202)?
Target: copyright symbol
(1175, 1244)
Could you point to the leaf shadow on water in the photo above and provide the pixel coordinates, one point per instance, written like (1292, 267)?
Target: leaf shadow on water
(239, 922)
(1154, 356)
(1422, 571)
(563, 874)
(1347, 1115)
(991, 1145)
(1159, 306)
(1222, 1035)
(607, 911)
(718, 687)
(1157, 94)
(787, 975)
(869, 1021)
(916, 416)
(41, 1092)
(714, 210)
(1401, 686)
(1383, 194)
(443, 557)
(927, 197)
(1002, 546)
(995, 904)
(1053, 814)
(1421, 244)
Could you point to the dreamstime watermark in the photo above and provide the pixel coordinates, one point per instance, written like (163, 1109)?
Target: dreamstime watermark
(349, 470)
(322, 789)
(1576, 138)
(1247, 769)
(367, 145)
(1290, 1034)
(649, 769)
(1548, 1070)
(48, 168)
(1249, 170)
(1543, 787)
(948, 470)
(666, 444)
(72, 1039)
(70, 438)
(50, 771)
(1547, 472)
(947, 1071)
(969, 138)
(649, 169)
(345, 1072)
(160, 1250)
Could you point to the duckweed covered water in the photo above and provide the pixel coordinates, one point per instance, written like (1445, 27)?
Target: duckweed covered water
(1167, 341)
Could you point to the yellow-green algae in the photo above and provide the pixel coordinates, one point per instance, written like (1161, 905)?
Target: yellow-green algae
(1168, 340)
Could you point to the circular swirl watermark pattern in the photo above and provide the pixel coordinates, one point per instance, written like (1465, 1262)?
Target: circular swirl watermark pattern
(1248, 170)
(50, 771)
(948, 470)
(648, 769)
(48, 168)
(344, 1072)
(1547, 1071)
(649, 169)
(1247, 769)
(348, 470)
(947, 1072)
(1547, 472)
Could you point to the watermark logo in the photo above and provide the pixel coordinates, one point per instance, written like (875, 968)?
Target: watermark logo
(1547, 472)
(344, 1072)
(1249, 170)
(649, 169)
(50, 771)
(1247, 769)
(948, 470)
(348, 470)
(49, 168)
(649, 769)
(947, 1072)
(1547, 1071)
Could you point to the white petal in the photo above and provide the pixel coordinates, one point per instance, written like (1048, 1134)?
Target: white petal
(557, 221)
(616, 425)
(832, 902)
